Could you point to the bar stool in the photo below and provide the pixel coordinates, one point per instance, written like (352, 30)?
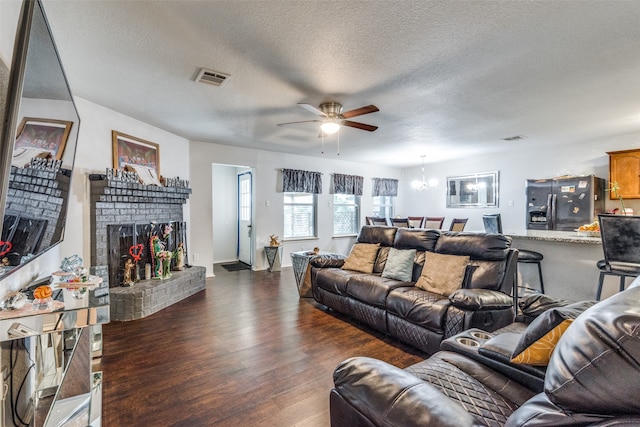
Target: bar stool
(531, 257)
(621, 247)
(493, 224)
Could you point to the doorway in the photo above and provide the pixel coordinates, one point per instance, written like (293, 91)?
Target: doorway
(245, 223)
(232, 214)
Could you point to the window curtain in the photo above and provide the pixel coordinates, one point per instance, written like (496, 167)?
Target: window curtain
(297, 181)
(347, 184)
(385, 187)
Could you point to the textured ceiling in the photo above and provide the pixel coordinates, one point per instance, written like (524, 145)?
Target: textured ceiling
(451, 78)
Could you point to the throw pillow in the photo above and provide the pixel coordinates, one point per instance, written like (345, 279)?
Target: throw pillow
(362, 257)
(399, 264)
(442, 274)
(540, 338)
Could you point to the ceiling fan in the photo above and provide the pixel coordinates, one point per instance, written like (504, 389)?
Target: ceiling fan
(333, 117)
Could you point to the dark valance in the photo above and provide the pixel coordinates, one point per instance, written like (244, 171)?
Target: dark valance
(384, 187)
(347, 184)
(297, 181)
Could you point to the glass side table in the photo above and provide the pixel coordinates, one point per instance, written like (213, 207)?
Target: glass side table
(274, 257)
(302, 271)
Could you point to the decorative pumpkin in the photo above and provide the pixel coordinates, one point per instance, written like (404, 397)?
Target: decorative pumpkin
(43, 292)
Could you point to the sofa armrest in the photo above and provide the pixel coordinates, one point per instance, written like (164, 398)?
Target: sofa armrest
(387, 395)
(327, 260)
(480, 299)
(539, 411)
(535, 304)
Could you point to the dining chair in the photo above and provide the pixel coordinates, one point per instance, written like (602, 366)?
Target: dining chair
(400, 222)
(458, 224)
(621, 247)
(374, 220)
(416, 221)
(493, 224)
(433, 222)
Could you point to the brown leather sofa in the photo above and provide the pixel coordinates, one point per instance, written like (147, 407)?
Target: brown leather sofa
(592, 378)
(410, 314)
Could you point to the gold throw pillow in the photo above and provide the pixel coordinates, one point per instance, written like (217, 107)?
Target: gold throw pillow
(442, 274)
(362, 257)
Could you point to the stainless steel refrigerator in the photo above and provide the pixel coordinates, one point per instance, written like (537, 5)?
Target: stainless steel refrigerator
(563, 203)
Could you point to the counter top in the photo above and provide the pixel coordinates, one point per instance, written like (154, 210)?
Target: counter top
(554, 236)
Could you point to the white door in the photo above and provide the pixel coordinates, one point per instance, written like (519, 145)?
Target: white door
(244, 217)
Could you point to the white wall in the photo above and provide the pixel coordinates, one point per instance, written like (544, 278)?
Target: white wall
(225, 209)
(9, 15)
(269, 219)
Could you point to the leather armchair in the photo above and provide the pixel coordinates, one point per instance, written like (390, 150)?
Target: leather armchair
(593, 378)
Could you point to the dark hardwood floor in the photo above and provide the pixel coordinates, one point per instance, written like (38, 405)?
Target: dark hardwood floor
(247, 351)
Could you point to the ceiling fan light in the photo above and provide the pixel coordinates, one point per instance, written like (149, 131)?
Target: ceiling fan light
(330, 127)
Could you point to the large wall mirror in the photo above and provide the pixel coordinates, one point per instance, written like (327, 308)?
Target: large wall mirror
(478, 190)
(38, 144)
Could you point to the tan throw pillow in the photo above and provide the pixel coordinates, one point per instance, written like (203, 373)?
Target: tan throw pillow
(362, 257)
(442, 274)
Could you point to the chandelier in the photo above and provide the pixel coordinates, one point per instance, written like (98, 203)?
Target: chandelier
(423, 185)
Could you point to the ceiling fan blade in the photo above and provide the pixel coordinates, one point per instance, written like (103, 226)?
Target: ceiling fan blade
(360, 111)
(313, 109)
(358, 125)
(303, 121)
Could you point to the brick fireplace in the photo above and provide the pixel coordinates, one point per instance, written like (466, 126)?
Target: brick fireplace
(125, 212)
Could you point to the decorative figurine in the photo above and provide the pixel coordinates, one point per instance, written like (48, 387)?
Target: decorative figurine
(129, 273)
(161, 259)
(179, 255)
(274, 240)
(156, 249)
(42, 298)
(166, 264)
(166, 230)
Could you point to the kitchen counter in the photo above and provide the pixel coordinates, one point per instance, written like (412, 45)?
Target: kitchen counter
(569, 265)
(555, 236)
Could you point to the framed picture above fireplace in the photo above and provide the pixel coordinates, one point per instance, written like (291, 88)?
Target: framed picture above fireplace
(136, 155)
(43, 135)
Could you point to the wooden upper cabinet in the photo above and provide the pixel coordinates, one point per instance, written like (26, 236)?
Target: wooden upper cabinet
(624, 168)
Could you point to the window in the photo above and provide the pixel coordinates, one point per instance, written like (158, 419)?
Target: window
(346, 214)
(244, 181)
(383, 206)
(300, 215)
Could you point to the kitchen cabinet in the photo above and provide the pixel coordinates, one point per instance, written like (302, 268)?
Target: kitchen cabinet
(624, 168)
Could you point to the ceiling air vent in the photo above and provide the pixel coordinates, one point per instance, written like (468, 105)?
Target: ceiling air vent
(211, 77)
(514, 138)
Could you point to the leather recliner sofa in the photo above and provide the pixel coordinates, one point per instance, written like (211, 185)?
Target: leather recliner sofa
(410, 314)
(592, 379)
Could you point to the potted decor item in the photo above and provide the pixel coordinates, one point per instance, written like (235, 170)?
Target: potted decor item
(615, 190)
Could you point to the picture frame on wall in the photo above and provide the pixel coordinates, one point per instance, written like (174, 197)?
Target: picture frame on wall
(41, 138)
(137, 155)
